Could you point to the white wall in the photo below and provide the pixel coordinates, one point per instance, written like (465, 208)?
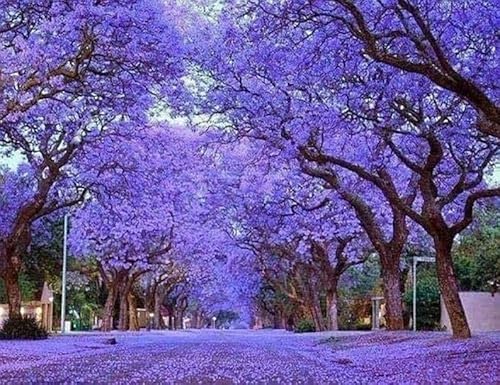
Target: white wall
(481, 309)
(4, 313)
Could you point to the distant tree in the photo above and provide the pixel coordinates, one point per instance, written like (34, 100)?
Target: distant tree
(477, 254)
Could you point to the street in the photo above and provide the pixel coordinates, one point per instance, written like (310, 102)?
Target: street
(245, 356)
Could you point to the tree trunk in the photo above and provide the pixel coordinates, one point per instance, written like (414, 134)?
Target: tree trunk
(157, 324)
(126, 287)
(133, 322)
(449, 288)
(124, 311)
(279, 320)
(197, 320)
(331, 304)
(109, 307)
(317, 318)
(178, 319)
(391, 277)
(194, 319)
(11, 281)
(11, 252)
(318, 313)
(181, 310)
(171, 323)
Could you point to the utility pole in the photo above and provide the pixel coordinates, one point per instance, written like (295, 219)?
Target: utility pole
(65, 257)
(414, 294)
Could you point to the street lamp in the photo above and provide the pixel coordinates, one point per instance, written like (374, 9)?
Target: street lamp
(414, 279)
(63, 284)
(214, 318)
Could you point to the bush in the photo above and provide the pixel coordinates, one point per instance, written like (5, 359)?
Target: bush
(22, 328)
(305, 326)
(428, 299)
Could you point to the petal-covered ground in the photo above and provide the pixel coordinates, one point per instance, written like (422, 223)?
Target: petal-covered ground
(256, 357)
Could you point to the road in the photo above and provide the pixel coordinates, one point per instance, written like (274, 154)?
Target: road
(252, 357)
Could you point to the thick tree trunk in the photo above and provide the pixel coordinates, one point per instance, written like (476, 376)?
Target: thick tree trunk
(124, 311)
(179, 315)
(319, 314)
(449, 288)
(11, 281)
(171, 320)
(279, 321)
(331, 305)
(11, 252)
(109, 307)
(126, 287)
(391, 277)
(311, 296)
(157, 320)
(194, 319)
(317, 318)
(181, 310)
(197, 320)
(133, 322)
(257, 322)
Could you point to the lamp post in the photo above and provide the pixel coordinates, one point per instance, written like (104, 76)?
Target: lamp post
(214, 318)
(63, 284)
(414, 279)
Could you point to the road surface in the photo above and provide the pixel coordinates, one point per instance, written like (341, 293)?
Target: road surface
(252, 357)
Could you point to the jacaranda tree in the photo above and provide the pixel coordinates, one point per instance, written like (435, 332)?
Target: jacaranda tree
(396, 142)
(72, 74)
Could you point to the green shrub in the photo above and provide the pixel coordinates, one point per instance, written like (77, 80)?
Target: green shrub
(305, 326)
(428, 299)
(22, 328)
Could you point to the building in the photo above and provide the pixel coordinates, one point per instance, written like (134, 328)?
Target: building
(42, 310)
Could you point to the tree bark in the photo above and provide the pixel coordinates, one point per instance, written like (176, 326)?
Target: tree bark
(181, 310)
(133, 322)
(178, 319)
(391, 278)
(10, 266)
(124, 311)
(11, 281)
(158, 299)
(279, 320)
(109, 307)
(194, 319)
(316, 315)
(331, 305)
(449, 287)
(197, 320)
(126, 287)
